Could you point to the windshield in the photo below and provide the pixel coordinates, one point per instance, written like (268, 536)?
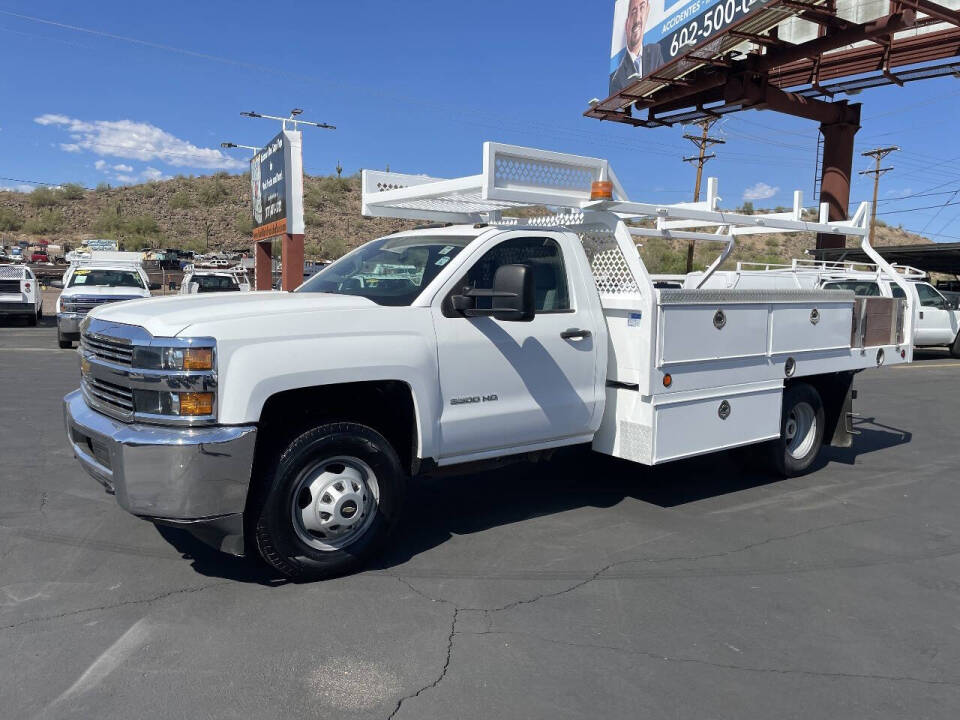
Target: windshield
(390, 271)
(106, 278)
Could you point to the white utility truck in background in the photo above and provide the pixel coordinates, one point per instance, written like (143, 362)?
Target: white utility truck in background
(20, 294)
(206, 280)
(288, 424)
(93, 279)
(938, 321)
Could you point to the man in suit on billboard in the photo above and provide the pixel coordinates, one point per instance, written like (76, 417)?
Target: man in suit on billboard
(637, 59)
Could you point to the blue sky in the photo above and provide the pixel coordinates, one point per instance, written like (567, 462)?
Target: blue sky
(417, 86)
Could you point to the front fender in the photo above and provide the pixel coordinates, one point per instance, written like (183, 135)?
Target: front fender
(381, 345)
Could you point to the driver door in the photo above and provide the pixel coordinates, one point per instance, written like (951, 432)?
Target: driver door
(510, 384)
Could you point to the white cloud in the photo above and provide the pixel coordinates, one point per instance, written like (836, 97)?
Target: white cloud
(123, 168)
(760, 191)
(100, 164)
(151, 173)
(136, 141)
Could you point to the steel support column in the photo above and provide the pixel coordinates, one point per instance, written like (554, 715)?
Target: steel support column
(263, 267)
(837, 167)
(291, 255)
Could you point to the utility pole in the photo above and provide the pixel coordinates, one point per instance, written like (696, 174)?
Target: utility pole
(703, 141)
(878, 154)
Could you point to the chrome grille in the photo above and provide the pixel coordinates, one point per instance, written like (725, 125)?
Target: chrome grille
(84, 304)
(107, 349)
(115, 396)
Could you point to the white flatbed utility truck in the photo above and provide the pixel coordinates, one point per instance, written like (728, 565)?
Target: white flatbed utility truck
(20, 294)
(287, 424)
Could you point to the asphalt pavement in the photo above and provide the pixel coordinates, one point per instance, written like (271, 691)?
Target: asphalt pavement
(582, 587)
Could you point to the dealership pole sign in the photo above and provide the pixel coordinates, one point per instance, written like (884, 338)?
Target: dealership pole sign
(276, 185)
(648, 34)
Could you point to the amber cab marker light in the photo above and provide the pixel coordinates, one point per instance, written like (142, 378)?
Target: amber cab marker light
(198, 359)
(601, 190)
(196, 403)
(667, 380)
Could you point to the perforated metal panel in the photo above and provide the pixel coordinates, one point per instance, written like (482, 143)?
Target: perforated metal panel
(11, 272)
(607, 263)
(512, 171)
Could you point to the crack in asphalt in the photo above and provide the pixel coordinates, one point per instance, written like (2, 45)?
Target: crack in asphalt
(443, 670)
(125, 603)
(720, 665)
(487, 614)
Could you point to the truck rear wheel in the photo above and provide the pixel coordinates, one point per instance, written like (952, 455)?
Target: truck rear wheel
(955, 348)
(801, 431)
(331, 500)
(63, 343)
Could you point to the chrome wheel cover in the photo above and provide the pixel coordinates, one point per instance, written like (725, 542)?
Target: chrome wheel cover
(334, 502)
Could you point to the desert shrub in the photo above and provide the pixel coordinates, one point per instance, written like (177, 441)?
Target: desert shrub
(10, 219)
(44, 197)
(48, 221)
(212, 192)
(243, 224)
(180, 200)
(72, 191)
(103, 187)
(333, 247)
(333, 185)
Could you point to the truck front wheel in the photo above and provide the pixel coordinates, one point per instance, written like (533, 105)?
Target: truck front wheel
(801, 431)
(955, 348)
(331, 500)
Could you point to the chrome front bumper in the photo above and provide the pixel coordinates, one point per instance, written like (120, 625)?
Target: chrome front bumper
(195, 478)
(69, 323)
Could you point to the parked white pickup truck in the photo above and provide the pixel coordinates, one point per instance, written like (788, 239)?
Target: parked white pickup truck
(938, 321)
(93, 279)
(206, 280)
(20, 294)
(288, 424)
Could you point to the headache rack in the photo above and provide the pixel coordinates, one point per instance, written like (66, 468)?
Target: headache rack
(518, 177)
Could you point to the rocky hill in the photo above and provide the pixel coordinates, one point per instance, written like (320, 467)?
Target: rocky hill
(212, 213)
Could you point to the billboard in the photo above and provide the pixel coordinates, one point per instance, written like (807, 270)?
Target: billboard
(648, 34)
(276, 187)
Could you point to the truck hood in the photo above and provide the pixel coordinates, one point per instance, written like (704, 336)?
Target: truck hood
(103, 291)
(170, 316)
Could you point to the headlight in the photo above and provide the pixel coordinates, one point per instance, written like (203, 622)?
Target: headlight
(173, 358)
(178, 404)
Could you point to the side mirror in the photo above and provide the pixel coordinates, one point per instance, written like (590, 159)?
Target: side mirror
(513, 296)
(57, 284)
(154, 286)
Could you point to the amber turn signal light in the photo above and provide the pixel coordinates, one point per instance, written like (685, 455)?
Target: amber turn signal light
(198, 358)
(196, 403)
(667, 380)
(601, 190)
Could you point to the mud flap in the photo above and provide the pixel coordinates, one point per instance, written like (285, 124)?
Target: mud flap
(839, 409)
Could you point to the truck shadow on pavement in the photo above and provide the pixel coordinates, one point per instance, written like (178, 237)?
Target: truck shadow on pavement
(574, 478)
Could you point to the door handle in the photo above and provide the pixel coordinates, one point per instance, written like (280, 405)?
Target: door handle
(574, 333)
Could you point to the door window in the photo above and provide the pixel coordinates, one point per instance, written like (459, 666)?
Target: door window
(930, 297)
(545, 258)
(897, 291)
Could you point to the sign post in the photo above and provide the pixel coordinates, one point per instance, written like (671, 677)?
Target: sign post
(276, 186)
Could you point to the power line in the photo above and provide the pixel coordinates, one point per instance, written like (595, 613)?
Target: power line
(703, 142)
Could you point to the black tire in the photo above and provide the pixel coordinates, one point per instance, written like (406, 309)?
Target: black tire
(64, 344)
(955, 348)
(282, 538)
(40, 312)
(32, 320)
(791, 455)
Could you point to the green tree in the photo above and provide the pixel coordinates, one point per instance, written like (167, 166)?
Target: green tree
(747, 208)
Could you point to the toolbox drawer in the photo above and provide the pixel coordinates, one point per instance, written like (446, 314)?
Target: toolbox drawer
(695, 423)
